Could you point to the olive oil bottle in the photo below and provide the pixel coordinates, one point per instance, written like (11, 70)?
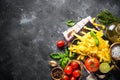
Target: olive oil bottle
(113, 32)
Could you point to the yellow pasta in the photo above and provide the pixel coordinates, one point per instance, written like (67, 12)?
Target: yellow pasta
(86, 47)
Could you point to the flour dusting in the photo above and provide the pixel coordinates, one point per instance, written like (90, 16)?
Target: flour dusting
(57, 3)
(27, 18)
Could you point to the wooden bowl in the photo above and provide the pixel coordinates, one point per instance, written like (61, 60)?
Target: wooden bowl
(57, 73)
(116, 47)
(80, 67)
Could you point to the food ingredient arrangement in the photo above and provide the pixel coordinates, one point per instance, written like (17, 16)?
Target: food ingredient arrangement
(92, 48)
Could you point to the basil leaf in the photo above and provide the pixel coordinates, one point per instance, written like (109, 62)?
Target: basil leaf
(95, 37)
(64, 61)
(96, 41)
(66, 52)
(60, 61)
(62, 57)
(56, 56)
(70, 23)
(93, 34)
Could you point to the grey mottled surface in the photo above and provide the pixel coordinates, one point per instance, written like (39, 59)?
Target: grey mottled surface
(30, 28)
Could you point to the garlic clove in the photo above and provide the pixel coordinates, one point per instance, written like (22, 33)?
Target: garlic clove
(53, 63)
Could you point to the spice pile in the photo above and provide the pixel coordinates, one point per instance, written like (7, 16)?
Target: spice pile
(86, 48)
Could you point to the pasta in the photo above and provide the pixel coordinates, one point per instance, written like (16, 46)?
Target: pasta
(86, 47)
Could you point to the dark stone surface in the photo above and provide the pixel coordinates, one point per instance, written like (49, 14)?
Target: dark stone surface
(30, 28)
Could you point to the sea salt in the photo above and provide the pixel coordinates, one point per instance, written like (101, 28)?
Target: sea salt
(116, 51)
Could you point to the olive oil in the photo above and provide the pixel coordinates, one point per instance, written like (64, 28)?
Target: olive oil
(113, 32)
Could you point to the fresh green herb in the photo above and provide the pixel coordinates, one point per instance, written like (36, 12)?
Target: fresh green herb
(70, 23)
(95, 37)
(63, 58)
(105, 17)
(63, 62)
(56, 56)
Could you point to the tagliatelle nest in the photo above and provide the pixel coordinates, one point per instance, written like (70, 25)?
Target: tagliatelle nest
(86, 47)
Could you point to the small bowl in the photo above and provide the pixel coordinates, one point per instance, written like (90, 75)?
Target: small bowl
(80, 67)
(116, 47)
(57, 73)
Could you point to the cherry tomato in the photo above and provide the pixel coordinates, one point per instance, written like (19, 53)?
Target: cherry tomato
(72, 78)
(60, 43)
(76, 73)
(92, 64)
(74, 65)
(68, 70)
(65, 77)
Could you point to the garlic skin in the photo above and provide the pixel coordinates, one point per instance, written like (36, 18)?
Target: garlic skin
(101, 76)
(52, 63)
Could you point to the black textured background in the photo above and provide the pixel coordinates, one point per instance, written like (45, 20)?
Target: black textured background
(30, 28)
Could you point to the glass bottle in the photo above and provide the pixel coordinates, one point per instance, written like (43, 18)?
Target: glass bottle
(113, 32)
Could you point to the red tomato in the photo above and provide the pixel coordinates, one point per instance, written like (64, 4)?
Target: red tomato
(65, 77)
(68, 70)
(60, 43)
(74, 65)
(72, 78)
(92, 64)
(76, 73)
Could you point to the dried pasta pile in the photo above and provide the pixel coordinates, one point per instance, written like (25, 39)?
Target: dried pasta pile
(86, 46)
